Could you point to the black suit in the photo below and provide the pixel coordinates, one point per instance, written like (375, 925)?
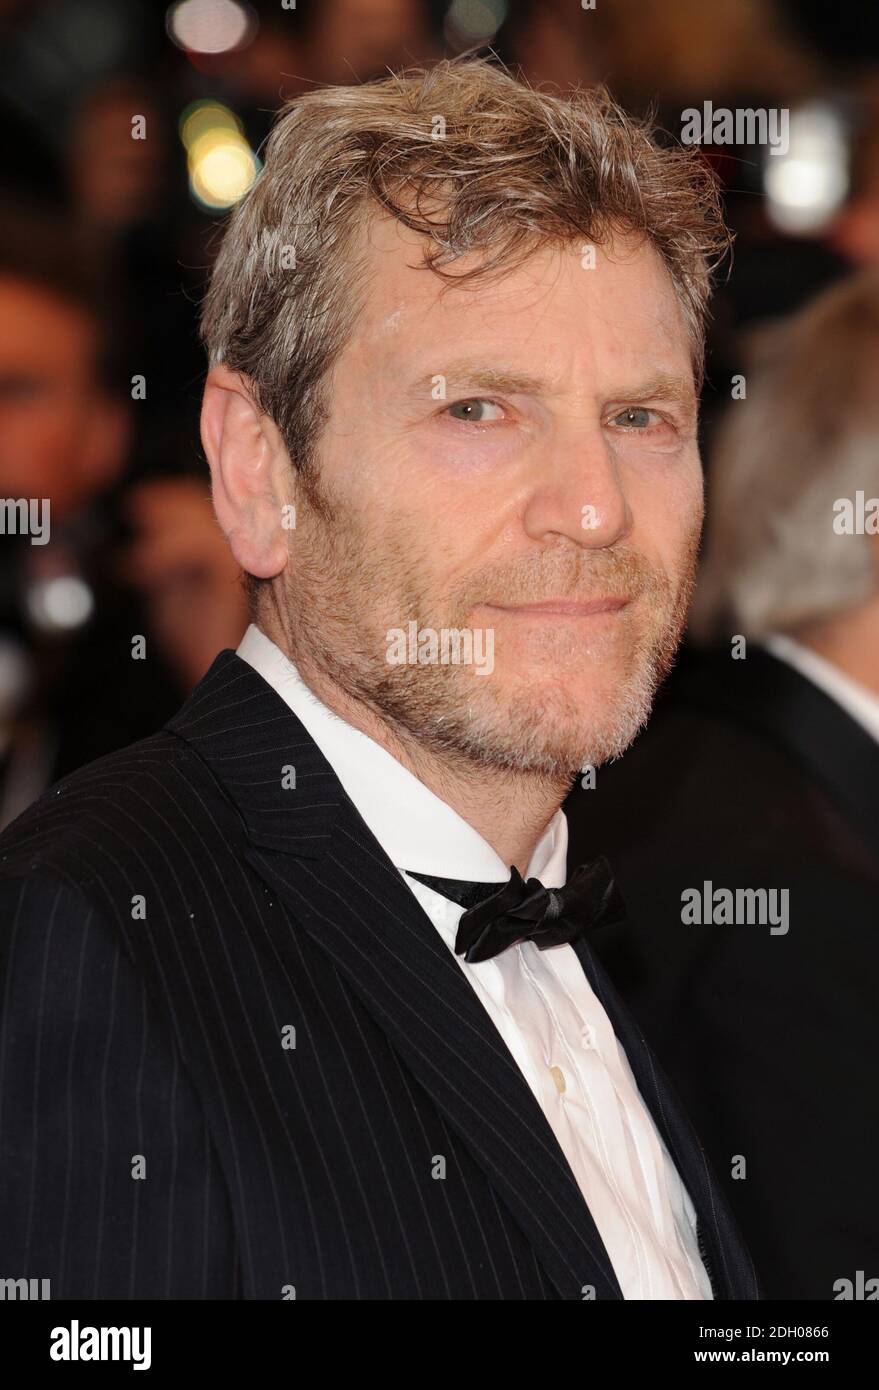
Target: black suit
(269, 908)
(750, 776)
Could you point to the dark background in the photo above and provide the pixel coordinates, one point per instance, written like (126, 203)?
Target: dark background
(126, 235)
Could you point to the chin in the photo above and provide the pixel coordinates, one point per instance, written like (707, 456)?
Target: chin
(578, 690)
(555, 727)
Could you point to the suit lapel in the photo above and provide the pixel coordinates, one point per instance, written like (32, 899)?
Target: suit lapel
(310, 846)
(818, 733)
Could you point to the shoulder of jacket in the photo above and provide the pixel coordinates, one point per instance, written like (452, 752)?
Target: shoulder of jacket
(125, 803)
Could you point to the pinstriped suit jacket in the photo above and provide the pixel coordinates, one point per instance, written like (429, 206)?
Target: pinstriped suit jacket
(237, 1061)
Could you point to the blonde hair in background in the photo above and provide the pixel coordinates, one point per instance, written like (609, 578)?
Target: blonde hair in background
(474, 160)
(806, 434)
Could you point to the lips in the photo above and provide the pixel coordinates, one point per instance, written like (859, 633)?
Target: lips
(564, 607)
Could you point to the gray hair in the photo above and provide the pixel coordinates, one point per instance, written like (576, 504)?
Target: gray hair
(805, 436)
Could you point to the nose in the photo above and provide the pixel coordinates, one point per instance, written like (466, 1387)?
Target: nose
(578, 493)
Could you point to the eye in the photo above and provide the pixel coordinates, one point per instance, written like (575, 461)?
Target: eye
(475, 411)
(22, 388)
(634, 417)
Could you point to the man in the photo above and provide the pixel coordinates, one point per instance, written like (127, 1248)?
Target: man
(65, 437)
(759, 774)
(72, 595)
(450, 420)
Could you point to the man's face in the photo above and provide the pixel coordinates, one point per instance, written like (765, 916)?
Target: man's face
(55, 439)
(517, 459)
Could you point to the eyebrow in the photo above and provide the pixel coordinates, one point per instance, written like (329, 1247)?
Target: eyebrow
(481, 377)
(478, 376)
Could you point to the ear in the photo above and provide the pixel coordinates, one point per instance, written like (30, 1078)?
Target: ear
(252, 477)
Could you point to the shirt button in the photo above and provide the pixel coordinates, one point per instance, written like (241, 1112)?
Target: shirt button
(558, 1077)
(587, 1036)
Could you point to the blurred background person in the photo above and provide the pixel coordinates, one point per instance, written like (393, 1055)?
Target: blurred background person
(346, 41)
(855, 232)
(97, 564)
(674, 53)
(760, 770)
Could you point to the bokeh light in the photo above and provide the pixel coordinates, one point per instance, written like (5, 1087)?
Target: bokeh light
(211, 26)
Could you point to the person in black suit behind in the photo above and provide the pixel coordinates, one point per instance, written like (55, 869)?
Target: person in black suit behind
(760, 770)
(281, 1018)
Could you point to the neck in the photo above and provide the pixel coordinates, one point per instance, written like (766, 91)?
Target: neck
(510, 810)
(849, 641)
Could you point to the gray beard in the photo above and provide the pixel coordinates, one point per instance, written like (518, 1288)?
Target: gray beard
(447, 709)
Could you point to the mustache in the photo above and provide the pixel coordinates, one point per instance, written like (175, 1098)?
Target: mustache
(576, 575)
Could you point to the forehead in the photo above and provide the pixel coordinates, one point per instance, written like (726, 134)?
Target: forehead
(567, 305)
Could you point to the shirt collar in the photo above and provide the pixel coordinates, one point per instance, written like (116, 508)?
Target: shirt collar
(417, 829)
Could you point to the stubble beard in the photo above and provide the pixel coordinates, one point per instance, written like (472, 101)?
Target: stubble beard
(344, 593)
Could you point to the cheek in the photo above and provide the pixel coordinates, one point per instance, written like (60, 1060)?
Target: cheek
(448, 454)
(686, 495)
(668, 508)
(440, 501)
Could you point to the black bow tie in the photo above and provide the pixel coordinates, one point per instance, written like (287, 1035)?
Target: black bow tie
(498, 917)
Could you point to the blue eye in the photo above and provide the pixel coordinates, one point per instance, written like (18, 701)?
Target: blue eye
(474, 412)
(633, 417)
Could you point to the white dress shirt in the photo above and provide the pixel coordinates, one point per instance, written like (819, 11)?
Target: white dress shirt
(540, 1002)
(862, 704)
